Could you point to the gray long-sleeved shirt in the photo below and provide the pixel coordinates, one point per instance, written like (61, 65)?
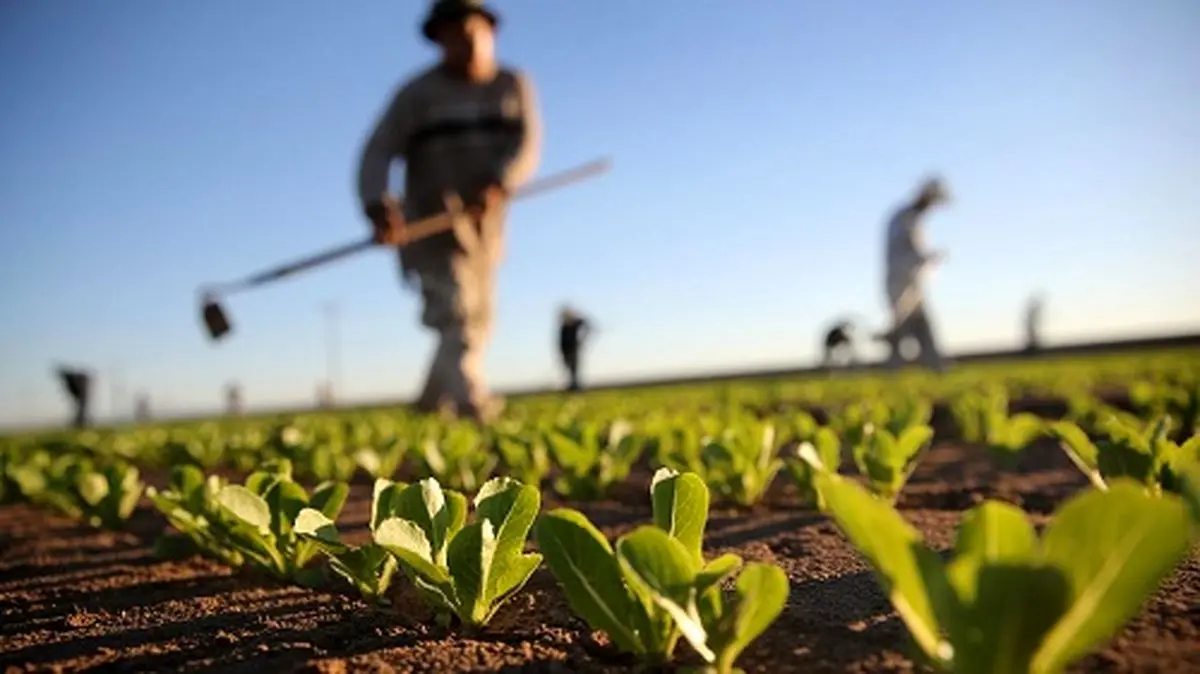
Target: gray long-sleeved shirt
(907, 255)
(453, 135)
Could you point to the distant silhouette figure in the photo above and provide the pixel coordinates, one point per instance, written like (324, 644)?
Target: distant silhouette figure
(839, 344)
(573, 330)
(141, 412)
(324, 395)
(1033, 322)
(233, 399)
(77, 384)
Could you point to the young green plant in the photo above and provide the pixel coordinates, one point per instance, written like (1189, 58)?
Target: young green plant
(1007, 602)
(742, 463)
(369, 568)
(258, 520)
(888, 460)
(1146, 456)
(463, 570)
(654, 585)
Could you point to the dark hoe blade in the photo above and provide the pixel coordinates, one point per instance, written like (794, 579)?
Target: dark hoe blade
(215, 320)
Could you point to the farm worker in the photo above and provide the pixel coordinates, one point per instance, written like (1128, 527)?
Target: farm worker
(1033, 320)
(572, 331)
(78, 385)
(467, 129)
(907, 261)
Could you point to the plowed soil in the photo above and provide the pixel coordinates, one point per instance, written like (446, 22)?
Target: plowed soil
(74, 598)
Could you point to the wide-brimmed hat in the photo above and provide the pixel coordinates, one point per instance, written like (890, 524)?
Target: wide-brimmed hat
(455, 10)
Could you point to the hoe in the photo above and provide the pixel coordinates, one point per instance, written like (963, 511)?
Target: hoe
(217, 321)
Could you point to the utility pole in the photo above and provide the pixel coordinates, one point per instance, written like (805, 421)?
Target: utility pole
(332, 356)
(116, 392)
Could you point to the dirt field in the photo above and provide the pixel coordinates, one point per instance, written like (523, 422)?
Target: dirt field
(73, 598)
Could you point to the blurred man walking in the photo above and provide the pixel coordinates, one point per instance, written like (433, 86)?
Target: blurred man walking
(470, 128)
(908, 260)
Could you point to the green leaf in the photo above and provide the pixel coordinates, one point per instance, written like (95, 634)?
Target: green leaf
(92, 488)
(584, 564)
(1080, 449)
(716, 571)
(509, 576)
(910, 442)
(469, 559)
(511, 507)
(904, 567)
(1115, 547)
(761, 594)
(246, 506)
(680, 504)
(314, 524)
(406, 540)
(991, 533)
(329, 497)
(285, 499)
(438, 513)
(828, 448)
(1003, 603)
(1011, 607)
(658, 562)
(1189, 487)
(384, 501)
(660, 571)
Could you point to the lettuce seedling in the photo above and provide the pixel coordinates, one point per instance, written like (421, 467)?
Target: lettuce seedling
(369, 568)
(655, 585)
(1007, 602)
(1181, 402)
(458, 456)
(743, 462)
(983, 419)
(1146, 456)
(382, 460)
(465, 570)
(823, 443)
(525, 456)
(908, 412)
(678, 446)
(102, 493)
(49, 481)
(190, 505)
(258, 520)
(109, 495)
(592, 457)
(887, 460)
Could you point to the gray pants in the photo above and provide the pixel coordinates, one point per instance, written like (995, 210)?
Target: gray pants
(458, 294)
(915, 326)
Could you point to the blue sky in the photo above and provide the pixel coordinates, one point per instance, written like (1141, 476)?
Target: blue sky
(151, 147)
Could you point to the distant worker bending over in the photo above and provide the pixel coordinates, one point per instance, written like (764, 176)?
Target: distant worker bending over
(469, 128)
(78, 385)
(908, 260)
(573, 330)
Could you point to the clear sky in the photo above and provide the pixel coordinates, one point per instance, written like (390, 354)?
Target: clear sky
(148, 147)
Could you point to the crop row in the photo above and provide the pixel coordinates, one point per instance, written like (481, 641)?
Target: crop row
(1007, 600)
(738, 454)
